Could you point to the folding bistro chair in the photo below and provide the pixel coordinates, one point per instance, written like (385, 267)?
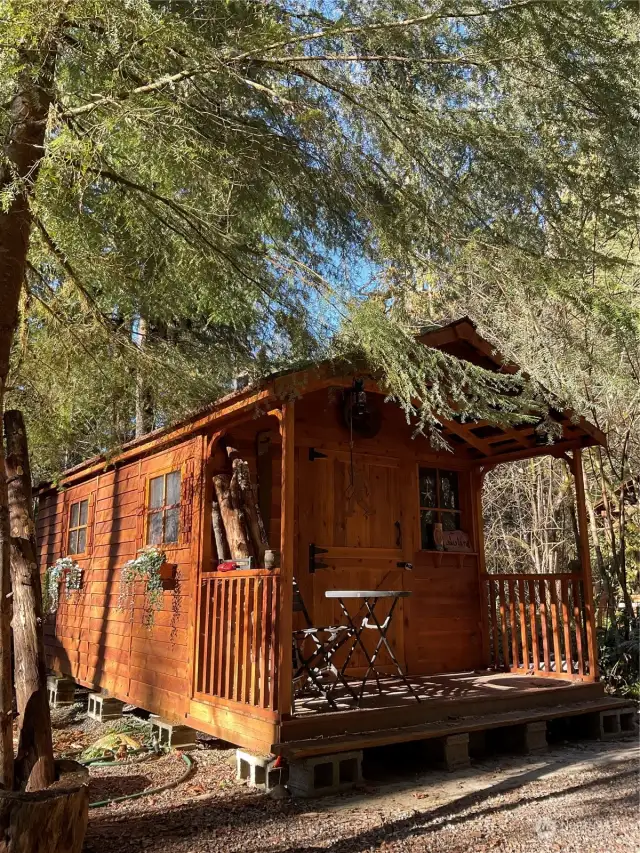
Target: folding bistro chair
(313, 651)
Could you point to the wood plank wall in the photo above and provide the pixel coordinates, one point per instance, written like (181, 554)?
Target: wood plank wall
(88, 638)
(440, 625)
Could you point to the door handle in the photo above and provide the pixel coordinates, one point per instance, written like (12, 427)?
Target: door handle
(398, 528)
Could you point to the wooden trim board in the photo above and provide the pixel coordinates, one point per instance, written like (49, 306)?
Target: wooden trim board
(342, 743)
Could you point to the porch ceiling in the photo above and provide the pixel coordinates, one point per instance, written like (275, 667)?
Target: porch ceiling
(486, 442)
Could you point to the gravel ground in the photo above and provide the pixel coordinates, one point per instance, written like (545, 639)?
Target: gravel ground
(578, 797)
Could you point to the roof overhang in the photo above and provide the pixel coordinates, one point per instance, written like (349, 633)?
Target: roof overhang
(480, 442)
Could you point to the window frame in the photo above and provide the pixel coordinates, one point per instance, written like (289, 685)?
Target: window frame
(76, 528)
(438, 510)
(149, 511)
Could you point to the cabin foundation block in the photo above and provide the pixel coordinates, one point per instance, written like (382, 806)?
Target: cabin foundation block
(258, 770)
(60, 691)
(173, 735)
(450, 752)
(606, 725)
(103, 708)
(535, 737)
(325, 774)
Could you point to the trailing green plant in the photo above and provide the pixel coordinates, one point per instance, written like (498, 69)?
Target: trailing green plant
(619, 655)
(144, 569)
(63, 569)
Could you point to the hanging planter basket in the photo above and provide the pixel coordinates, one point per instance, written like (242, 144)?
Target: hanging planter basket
(151, 570)
(64, 571)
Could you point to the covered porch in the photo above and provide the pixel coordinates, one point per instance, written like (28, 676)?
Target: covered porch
(368, 514)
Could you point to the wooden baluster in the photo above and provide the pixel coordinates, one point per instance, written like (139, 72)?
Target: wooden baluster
(523, 625)
(250, 617)
(228, 675)
(214, 634)
(274, 644)
(205, 639)
(237, 644)
(204, 664)
(494, 625)
(264, 669)
(535, 651)
(564, 597)
(515, 652)
(557, 652)
(221, 636)
(577, 615)
(254, 696)
(503, 626)
(543, 624)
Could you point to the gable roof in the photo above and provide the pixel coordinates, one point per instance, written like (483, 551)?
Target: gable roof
(481, 440)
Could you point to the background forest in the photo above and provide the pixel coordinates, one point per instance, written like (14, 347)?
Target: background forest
(227, 188)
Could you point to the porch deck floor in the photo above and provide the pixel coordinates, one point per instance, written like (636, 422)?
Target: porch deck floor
(454, 686)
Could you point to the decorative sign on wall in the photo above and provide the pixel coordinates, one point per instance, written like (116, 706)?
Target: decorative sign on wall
(456, 540)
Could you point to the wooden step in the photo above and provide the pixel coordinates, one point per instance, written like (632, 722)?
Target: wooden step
(293, 750)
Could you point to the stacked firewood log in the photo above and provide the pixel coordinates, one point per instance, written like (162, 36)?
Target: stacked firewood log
(238, 529)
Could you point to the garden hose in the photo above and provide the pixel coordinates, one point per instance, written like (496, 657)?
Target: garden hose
(100, 762)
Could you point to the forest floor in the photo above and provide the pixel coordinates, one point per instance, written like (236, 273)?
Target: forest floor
(577, 797)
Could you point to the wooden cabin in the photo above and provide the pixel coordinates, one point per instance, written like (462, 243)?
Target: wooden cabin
(346, 508)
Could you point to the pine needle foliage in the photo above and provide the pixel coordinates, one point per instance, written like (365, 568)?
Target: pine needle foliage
(247, 177)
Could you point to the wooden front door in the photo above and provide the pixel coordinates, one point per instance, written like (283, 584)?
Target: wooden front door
(350, 511)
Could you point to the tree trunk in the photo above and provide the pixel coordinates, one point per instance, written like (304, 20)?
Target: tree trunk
(144, 402)
(249, 500)
(52, 821)
(22, 151)
(34, 764)
(222, 549)
(239, 543)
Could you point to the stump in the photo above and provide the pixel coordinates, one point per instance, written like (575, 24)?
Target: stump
(50, 821)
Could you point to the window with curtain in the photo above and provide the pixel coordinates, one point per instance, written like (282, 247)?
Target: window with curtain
(439, 504)
(163, 511)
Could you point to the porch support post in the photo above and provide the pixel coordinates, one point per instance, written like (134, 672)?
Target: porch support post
(287, 520)
(477, 481)
(585, 562)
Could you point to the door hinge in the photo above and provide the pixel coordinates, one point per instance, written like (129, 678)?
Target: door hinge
(313, 553)
(316, 454)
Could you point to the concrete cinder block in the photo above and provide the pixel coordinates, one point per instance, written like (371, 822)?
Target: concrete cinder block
(629, 721)
(521, 738)
(103, 708)
(535, 737)
(448, 753)
(173, 735)
(60, 691)
(325, 774)
(605, 725)
(259, 770)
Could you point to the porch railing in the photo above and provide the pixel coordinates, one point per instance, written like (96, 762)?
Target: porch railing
(537, 624)
(238, 638)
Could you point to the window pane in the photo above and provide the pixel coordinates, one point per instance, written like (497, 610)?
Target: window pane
(450, 520)
(84, 512)
(173, 488)
(171, 525)
(154, 529)
(426, 529)
(82, 540)
(428, 487)
(156, 492)
(73, 542)
(448, 490)
(73, 520)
